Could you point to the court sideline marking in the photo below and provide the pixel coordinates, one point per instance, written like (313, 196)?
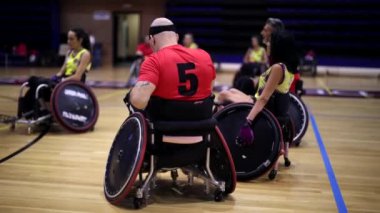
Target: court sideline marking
(324, 86)
(339, 201)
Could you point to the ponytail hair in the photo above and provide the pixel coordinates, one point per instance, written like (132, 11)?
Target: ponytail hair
(81, 34)
(283, 50)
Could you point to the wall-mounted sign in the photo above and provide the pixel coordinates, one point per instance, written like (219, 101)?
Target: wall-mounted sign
(101, 15)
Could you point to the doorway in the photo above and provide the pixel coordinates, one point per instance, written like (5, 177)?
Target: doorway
(126, 36)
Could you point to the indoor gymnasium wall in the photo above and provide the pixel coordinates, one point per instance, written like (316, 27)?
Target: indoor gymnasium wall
(80, 13)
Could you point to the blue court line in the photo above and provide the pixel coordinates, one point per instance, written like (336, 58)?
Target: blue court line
(340, 204)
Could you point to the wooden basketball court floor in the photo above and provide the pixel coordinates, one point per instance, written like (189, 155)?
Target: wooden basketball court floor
(64, 172)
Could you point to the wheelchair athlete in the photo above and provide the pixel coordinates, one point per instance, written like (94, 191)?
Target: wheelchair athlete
(173, 73)
(143, 50)
(272, 92)
(245, 90)
(75, 67)
(272, 25)
(174, 89)
(274, 85)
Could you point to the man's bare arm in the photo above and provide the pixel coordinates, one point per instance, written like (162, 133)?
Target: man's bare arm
(141, 93)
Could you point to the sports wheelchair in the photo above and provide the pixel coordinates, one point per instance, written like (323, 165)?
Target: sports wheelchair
(134, 71)
(144, 147)
(254, 160)
(308, 65)
(72, 105)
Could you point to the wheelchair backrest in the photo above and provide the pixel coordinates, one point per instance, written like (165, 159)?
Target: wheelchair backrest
(172, 110)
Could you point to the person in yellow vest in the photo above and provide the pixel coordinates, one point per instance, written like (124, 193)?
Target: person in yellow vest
(254, 63)
(256, 53)
(284, 53)
(188, 41)
(272, 93)
(75, 67)
(78, 58)
(273, 88)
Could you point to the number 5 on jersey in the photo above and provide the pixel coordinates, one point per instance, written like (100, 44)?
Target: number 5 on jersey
(185, 77)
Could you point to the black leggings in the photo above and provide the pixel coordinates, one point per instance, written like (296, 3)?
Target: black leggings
(29, 103)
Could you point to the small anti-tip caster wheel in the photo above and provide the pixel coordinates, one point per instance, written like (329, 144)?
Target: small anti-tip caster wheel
(287, 162)
(218, 195)
(272, 175)
(12, 127)
(174, 175)
(138, 203)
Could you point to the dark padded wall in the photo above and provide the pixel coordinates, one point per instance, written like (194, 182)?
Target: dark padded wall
(34, 22)
(332, 28)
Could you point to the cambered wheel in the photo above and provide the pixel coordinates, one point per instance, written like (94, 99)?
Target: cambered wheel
(125, 158)
(74, 106)
(255, 160)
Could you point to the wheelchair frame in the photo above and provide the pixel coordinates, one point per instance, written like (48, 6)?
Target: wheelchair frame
(134, 71)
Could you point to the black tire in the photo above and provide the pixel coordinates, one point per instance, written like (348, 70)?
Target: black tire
(254, 160)
(125, 158)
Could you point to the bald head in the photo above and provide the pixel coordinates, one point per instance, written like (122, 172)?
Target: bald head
(161, 22)
(162, 34)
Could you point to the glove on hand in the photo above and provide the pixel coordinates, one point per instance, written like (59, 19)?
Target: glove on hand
(246, 136)
(55, 78)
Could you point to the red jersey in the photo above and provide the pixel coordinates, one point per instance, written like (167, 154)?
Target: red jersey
(179, 73)
(145, 49)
